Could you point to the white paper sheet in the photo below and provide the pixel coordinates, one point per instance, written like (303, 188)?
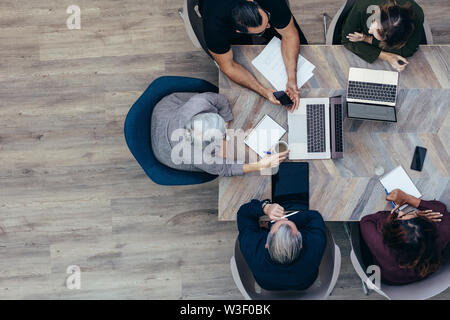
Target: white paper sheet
(399, 179)
(271, 65)
(264, 136)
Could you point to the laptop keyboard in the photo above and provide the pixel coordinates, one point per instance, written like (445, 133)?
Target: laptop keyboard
(338, 128)
(315, 121)
(371, 91)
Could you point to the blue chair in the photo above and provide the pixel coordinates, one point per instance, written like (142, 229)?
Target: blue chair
(137, 130)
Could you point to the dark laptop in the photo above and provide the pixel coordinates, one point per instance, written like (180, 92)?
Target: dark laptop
(290, 186)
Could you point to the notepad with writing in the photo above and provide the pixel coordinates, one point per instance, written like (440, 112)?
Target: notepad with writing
(399, 179)
(264, 136)
(271, 65)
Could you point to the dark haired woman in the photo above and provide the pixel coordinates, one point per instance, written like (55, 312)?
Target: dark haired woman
(407, 246)
(386, 29)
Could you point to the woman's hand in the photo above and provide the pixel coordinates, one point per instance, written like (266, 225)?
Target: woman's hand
(398, 197)
(396, 61)
(268, 162)
(357, 37)
(274, 211)
(273, 160)
(430, 215)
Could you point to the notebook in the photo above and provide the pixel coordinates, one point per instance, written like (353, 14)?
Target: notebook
(271, 65)
(264, 136)
(399, 179)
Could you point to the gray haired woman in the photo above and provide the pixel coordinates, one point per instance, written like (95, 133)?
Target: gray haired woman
(188, 133)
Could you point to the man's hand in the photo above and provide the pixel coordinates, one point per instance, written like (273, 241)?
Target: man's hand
(292, 92)
(396, 61)
(274, 211)
(268, 94)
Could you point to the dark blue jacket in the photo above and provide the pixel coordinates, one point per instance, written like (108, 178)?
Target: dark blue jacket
(298, 275)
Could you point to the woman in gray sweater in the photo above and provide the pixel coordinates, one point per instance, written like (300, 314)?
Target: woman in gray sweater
(188, 133)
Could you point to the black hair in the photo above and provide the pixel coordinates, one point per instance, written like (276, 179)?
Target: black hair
(246, 14)
(415, 243)
(396, 24)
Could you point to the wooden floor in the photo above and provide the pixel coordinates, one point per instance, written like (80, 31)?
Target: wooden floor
(70, 191)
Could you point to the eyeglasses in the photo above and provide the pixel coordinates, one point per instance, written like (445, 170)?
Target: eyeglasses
(262, 32)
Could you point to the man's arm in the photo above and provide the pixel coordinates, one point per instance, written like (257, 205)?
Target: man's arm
(290, 46)
(215, 102)
(248, 216)
(242, 76)
(309, 220)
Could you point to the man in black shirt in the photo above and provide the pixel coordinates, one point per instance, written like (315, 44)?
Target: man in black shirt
(227, 22)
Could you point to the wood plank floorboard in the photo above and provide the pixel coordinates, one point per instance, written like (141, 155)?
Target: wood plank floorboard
(71, 192)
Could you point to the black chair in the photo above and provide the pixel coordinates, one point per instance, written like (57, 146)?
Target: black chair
(194, 24)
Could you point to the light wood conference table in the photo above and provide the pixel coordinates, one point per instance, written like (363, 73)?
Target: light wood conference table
(348, 189)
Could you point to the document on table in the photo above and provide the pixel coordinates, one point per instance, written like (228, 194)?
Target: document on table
(399, 179)
(271, 65)
(264, 136)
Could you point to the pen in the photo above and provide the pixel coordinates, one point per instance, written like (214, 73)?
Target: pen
(285, 216)
(392, 203)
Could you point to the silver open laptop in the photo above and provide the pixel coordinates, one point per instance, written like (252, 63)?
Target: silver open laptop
(316, 129)
(372, 94)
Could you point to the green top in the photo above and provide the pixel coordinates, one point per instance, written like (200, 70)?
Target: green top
(357, 22)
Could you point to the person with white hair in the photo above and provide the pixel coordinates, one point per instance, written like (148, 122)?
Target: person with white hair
(286, 254)
(188, 132)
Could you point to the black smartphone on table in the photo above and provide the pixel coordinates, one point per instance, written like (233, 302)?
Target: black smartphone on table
(283, 98)
(418, 158)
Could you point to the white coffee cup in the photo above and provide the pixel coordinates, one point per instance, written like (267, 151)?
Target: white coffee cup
(280, 146)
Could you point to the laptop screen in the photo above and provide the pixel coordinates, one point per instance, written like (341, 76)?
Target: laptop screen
(371, 112)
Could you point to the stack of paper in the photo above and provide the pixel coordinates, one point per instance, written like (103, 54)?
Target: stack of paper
(271, 65)
(264, 136)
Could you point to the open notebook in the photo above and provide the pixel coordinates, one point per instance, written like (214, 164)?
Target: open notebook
(399, 179)
(271, 65)
(264, 136)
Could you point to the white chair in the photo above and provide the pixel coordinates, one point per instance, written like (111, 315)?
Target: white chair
(335, 27)
(194, 24)
(420, 290)
(428, 34)
(332, 34)
(329, 269)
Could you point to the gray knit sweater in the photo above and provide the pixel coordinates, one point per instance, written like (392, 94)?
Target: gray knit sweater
(176, 111)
